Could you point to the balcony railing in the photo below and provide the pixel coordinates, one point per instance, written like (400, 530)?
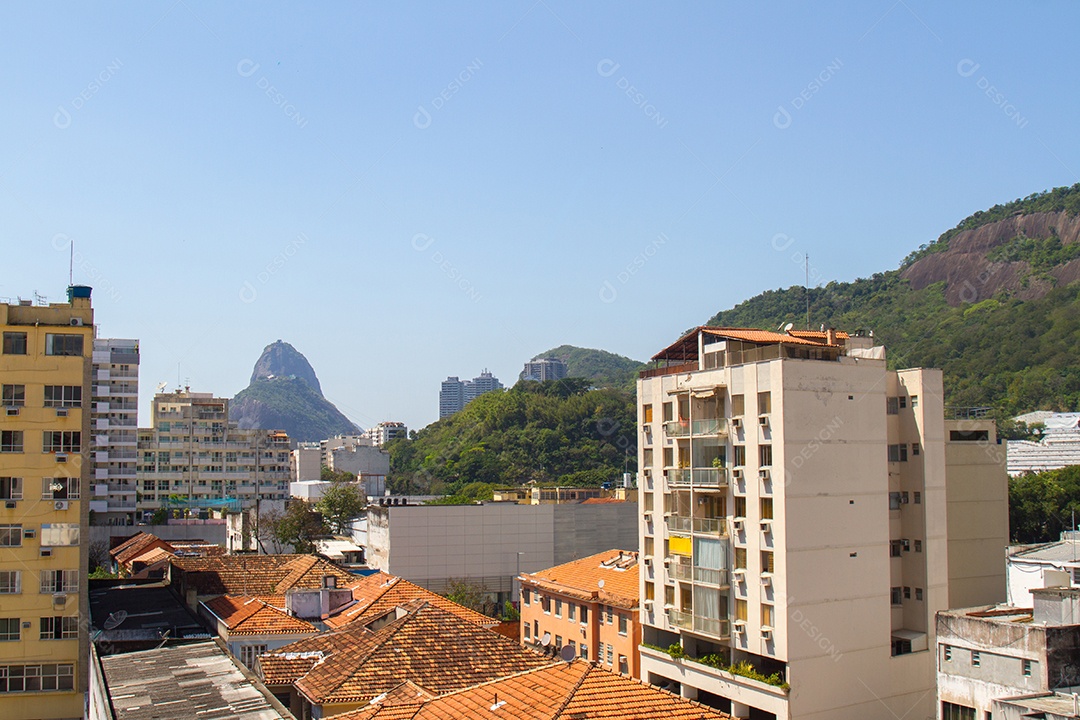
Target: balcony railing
(699, 477)
(716, 627)
(681, 619)
(709, 576)
(713, 426)
(677, 428)
(678, 523)
(680, 571)
(710, 526)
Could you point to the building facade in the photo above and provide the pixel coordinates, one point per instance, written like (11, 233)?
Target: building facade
(386, 431)
(589, 605)
(455, 394)
(114, 407)
(305, 462)
(45, 468)
(544, 369)
(193, 460)
(803, 517)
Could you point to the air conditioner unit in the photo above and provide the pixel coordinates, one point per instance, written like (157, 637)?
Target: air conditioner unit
(738, 524)
(13, 411)
(61, 412)
(59, 599)
(766, 633)
(10, 504)
(61, 457)
(765, 474)
(740, 626)
(648, 603)
(76, 322)
(648, 562)
(46, 552)
(763, 420)
(738, 573)
(736, 422)
(60, 505)
(766, 580)
(29, 534)
(766, 525)
(737, 474)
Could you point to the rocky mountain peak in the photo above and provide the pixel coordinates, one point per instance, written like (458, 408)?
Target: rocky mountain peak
(280, 359)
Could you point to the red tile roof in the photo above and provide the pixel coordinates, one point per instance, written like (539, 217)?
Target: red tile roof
(135, 546)
(256, 574)
(380, 593)
(601, 501)
(617, 570)
(433, 648)
(686, 347)
(257, 616)
(561, 691)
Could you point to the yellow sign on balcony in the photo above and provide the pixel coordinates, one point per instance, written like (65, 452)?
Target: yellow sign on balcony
(680, 546)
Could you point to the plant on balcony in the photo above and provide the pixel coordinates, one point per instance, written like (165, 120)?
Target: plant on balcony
(674, 650)
(746, 669)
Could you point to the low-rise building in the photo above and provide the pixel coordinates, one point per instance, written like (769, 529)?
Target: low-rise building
(992, 654)
(305, 462)
(589, 605)
(250, 626)
(1057, 447)
(1048, 565)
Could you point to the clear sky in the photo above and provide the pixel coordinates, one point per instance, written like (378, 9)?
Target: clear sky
(410, 191)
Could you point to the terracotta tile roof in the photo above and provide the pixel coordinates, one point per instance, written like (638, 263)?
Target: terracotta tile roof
(154, 554)
(817, 334)
(601, 501)
(399, 704)
(134, 546)
(288, 663)
(686, 347)
(581, 578)
(257, 616)
(561, 691)
(257, 574)
(380, 593)
(429, 646)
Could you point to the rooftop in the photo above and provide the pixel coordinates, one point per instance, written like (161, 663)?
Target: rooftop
(610, 577)
(257, 616)
(380, 593)
(256, 574)
(139, 614)
(433, 648)
(559, 691)
(685, 349)
(188, 681)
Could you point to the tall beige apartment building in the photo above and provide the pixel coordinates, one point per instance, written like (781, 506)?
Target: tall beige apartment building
(45, 364)
(805, 511)
(193, 460)
(114, 427)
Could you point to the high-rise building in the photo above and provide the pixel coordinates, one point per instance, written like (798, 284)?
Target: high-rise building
(114, 408)
(386, 431)
(805, 511)
(544, 369)
(192, 459)
(45, 367)
(456, 394)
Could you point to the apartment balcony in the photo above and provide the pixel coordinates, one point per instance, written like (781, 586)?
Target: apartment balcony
(679, 570)
(712, 427)
(714, 627)
(677, 428)
(680, 619)
(710, 526)
(711, 576)
(705, 478)
(678, 524)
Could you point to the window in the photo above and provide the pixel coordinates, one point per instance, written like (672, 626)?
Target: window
(63, 344)
(907, 593)
(918, 498)
(738, 405)
(14, 395)
(767, 561)
(894, 501)
(584, 614)
(765, 455)
(558, 608)
(952, 711)
(59, 581)
(740, 506)
(969, 435)
(558, 642)
(59, 628)
(915, 449)
(10, 535)
(669, 457)
(947, 650)
(1027, 668)
(525, 597)
(11, 441)
(918, 593)
(894, 548)
(11, 488)
(738, 455)
(918, 546)
(766, 508)
(740, 557)
(14, 343)
(976, 659)
(669, 412)
(646, 413)
(63, 396)
(767, 615)
(9, 629)
(647, 456)
(895, 596)
(248, 654)
(10, 582)
(624, 667)
(764, 403)
(914, 401)
(60, 488)
(623, 624)
(571, 612)
(59, 534)
(903, 401)
(898, 453)
(892, 406)
(61, 441)
(36, 678)
(528, 631)
(610, 654)
(741, 610)
(584, 651)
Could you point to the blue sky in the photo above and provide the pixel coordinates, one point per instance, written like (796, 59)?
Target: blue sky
(406, 192)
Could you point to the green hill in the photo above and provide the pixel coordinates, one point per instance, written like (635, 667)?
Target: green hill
(556, 431)
(994, 303)
(603, 368)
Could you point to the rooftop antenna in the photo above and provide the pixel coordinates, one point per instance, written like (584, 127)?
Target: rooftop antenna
(806, 287)
(71, 263)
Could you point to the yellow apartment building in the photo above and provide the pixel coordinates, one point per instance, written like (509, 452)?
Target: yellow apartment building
(45, 368)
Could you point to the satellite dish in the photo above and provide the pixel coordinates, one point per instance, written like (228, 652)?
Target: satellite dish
(161, 386)
(546, 640)
(114, 619)
(567, 653)
(600, 583)
(787, 328)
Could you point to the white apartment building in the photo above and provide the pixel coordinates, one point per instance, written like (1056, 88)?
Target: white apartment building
(805, 512)
(305, 462)
(194, 459)
(386, 431)
(114, 421)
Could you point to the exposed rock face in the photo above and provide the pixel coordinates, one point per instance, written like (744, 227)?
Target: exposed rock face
(285, 394)
(280, 359)
(971, 277)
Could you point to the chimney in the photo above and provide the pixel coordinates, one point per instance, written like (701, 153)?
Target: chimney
(830, 336)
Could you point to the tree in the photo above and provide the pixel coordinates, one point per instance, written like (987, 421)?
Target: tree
(470, 594)
(296, 527)
(98, 553)
(342, 503)
(336, 475)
